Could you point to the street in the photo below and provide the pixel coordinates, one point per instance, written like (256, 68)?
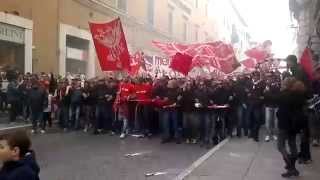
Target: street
(241, 78)
(80, 156)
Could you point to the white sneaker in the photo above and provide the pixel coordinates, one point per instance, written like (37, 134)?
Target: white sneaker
(122, 136)
(85, 130)
(33, 131)
(275, 137)
(42, 131)
(267, 139)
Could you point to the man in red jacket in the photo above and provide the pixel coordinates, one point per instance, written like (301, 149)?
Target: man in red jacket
(125, 92)
(143, 91)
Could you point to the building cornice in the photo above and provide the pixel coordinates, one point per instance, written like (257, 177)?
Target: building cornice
(103, 7)
(16, 20)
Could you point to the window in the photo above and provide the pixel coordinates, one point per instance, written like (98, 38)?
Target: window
(170, 20)
(150, 14)
(185, 28)
(196, 33)
(122, 5)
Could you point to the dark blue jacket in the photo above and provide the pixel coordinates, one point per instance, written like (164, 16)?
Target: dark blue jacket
(25, 169)
(38, 99)
(13, 94)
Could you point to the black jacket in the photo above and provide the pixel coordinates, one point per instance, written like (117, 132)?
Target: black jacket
(240, 96)
(90, 99)
(100, 93)
(187, 101)
(270, 94)
(221, 96)
(290, 114)
(38, 99)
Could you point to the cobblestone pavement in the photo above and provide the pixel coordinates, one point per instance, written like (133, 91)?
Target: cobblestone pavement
(80, 156)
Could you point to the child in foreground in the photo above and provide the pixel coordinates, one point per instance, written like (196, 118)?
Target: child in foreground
(18, 161)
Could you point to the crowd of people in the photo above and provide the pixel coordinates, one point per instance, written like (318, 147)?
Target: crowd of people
(190, 110)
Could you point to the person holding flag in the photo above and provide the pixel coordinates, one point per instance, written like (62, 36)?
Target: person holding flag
(170, 113)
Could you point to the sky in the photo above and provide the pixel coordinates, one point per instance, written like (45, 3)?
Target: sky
(269, 20)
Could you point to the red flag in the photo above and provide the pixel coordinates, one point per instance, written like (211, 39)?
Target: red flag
(111, 45)
(226, 58)
(306, 62)
(135, 63)
(216, 54)
(229, 66)
(260, 52)
(181, 63)
(249, 63)
(257, 54)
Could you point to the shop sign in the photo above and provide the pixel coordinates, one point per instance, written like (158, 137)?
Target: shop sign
(11, 33)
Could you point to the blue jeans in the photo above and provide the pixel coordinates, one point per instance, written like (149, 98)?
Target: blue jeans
(75, 115)
(64, 116)
(210, 127)
(271, 120)
(169, 122)
(241, 120)
(125, 124)
(254, 117)
(26, 111)
(36, 117)
(190, 125)
(104, 117)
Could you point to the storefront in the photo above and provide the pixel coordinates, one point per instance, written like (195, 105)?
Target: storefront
(77, 53)
(15, 42)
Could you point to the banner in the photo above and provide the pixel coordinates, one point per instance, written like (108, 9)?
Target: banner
(261, 52)
(306, 62)
(135, 63)
(181, 63)
(249, 63)
(111, 45)
(257, 54)
(217, 54)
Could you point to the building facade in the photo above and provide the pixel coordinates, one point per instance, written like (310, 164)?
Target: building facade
(54, 36)
(307, 15)
(232, 27)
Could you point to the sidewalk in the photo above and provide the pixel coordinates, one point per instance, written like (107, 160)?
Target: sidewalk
(6, 127)
(244, 159)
